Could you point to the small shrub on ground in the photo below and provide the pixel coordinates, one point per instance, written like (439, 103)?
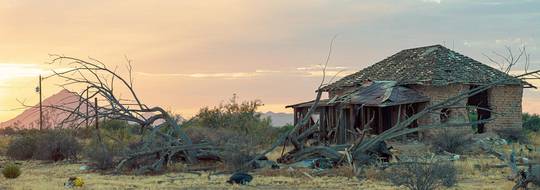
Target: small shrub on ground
(450, 140)
(423, 175)
(513, 134)
(11, 171)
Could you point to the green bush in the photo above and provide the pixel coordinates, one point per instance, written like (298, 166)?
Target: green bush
(48, 145)
(11, 171)
(230, 120)
(531, 122)
(242, 116)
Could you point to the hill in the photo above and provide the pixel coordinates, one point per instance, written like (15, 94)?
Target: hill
(51, 117)
(279, 119)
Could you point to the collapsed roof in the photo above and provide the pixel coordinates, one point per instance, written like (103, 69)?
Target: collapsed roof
(375, 94)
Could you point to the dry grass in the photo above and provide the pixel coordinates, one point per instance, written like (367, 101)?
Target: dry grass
(473, 170)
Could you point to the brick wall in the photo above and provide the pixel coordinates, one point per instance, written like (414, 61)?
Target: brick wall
(457, 112)
(505, 101)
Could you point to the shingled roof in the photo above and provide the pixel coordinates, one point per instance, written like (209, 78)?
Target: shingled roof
(431, 65)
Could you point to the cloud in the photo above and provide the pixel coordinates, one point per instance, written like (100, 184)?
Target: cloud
(202, 75)
(432, 1)
(320, 67)
(308, 71)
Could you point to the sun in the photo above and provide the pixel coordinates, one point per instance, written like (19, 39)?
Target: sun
(17, 81)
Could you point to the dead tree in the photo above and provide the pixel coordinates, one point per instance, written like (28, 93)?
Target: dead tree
(294, 135)
(165, 140)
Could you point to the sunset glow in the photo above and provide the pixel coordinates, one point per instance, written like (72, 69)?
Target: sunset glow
(190, 54)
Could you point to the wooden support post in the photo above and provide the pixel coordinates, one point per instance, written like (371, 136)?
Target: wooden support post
(322, 126)
(380, 127)
(40, 105)
(353, 122)
(96, 112)
(87, 107)
(362, 118)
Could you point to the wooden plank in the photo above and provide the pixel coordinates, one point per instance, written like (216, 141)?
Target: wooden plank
(362, 118)
(342, 125)
(295, 112)
(352, 124)
(379, 128)
(322, 126)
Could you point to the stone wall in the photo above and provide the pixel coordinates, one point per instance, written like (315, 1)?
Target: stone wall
(505, 101)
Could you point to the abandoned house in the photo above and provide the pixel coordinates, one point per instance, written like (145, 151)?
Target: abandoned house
(405, 83)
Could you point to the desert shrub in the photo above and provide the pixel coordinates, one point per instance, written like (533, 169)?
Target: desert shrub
(237, 152)
(233, 119)
(512, 134)
(418, 175)
(22, 147)
(237, 148)
(116, 136)
(454, 141)
(242, 116)
(531, 122)
(8, 131)
(56, 145)
(11, 171)
(48, 145)
(100, 155)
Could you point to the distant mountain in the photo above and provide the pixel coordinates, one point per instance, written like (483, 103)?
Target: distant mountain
(279, 119)
(51, 117)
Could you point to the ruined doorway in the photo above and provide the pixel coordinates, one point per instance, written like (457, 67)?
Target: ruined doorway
(479, 109)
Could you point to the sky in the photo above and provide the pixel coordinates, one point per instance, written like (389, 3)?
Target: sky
(191, 54)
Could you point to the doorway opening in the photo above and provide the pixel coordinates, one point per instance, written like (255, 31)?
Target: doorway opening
(479, 109)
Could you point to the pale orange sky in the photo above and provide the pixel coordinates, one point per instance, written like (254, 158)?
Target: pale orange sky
(189, 54)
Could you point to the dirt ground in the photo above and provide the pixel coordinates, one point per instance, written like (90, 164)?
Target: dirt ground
(43, 175)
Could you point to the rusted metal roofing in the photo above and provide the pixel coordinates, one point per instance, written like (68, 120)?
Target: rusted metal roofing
(430, 65)
(381, 94)
(322, 103)
(377, 94)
